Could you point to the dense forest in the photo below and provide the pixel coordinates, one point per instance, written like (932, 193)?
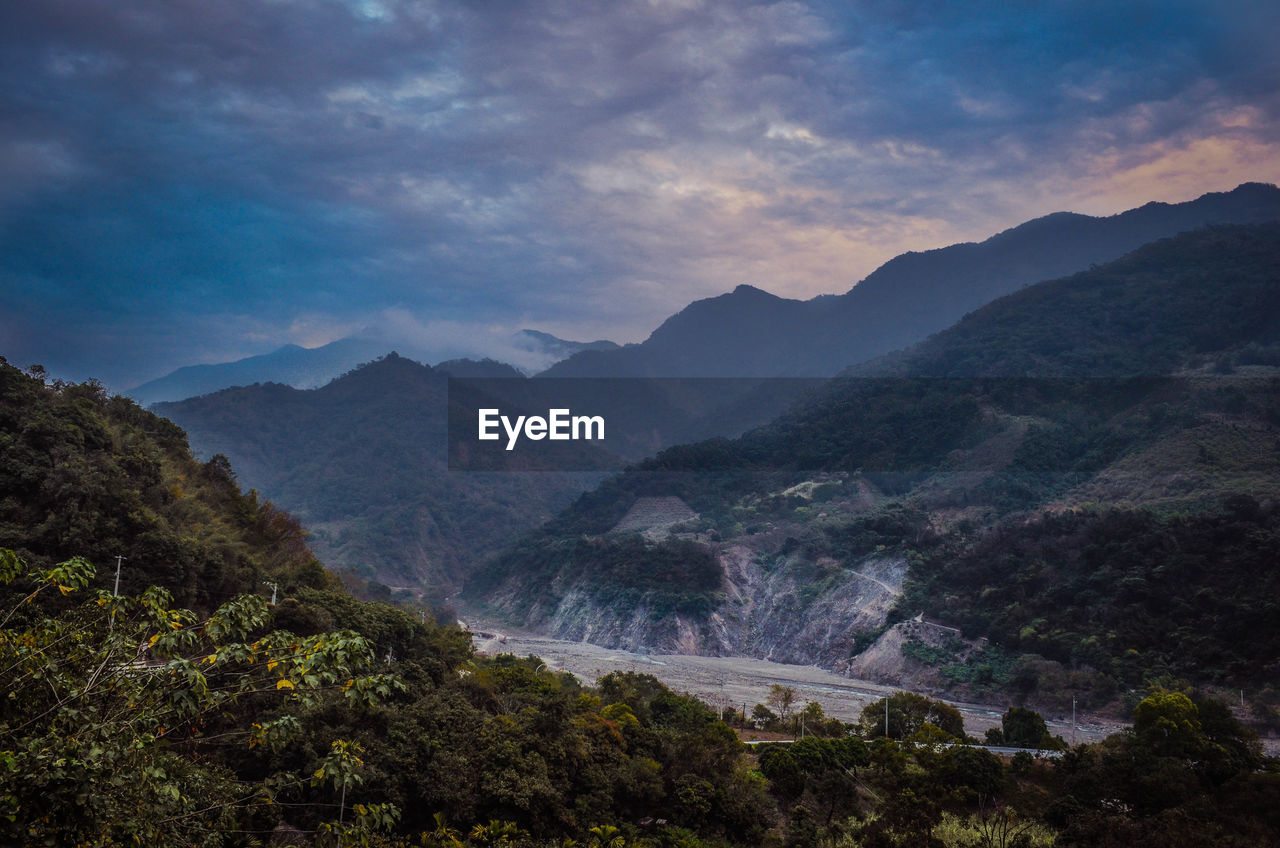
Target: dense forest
(1123, 590)
(85, 474)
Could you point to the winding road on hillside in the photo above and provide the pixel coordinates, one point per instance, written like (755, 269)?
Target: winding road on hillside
(883, 585)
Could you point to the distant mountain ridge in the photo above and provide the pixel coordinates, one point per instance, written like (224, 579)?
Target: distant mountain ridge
(310, 368)
(290, 365)
(558, 347)
(751, 333)
(361, 461)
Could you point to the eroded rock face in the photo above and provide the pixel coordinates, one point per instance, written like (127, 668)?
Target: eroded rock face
(776, 599)
(783, 613)
(775, 606)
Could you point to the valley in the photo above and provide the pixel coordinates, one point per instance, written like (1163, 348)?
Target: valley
(1066, 500)
(750, 424)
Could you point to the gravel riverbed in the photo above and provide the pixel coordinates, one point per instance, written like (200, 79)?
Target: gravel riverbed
(741, 682)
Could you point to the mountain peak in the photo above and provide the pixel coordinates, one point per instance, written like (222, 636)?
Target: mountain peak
(750, 332)
(1260, 188)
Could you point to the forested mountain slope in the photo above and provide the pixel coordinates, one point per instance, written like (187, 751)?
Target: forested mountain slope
(361, 461)
(85, 474)
(187, 710)
(992, 477)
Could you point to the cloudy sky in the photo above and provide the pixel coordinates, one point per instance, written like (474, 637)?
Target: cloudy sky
(194, 181)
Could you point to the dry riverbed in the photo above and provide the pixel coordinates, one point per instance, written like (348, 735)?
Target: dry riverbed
(741, 683)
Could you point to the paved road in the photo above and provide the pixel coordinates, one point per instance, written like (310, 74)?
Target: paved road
(741, 683)
(1002, 750)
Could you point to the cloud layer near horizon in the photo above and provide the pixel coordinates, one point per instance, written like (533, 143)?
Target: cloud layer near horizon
(189, 181)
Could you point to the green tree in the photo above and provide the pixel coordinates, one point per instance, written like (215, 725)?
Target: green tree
(1024, 728)
(908, 713)
(782, 699)
(114, 702)
(763, 717)
(812, 718)
(1168, 724)
(777, 764)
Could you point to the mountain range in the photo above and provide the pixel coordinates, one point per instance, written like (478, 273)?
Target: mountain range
(1136, 393)
(309, 368)
(1074, 488)
(361, 462)
(134, 717)
(751, 333)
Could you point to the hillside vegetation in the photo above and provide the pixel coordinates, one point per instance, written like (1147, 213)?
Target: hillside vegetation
(187, 710)
(84, 474)
(253, 724)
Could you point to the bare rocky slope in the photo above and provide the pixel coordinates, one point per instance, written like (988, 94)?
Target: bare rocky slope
(775, 599)
(768, 605)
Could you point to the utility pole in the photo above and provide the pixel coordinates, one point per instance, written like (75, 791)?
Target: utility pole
(274, 588)
(111, 622)
(886, 716)
(1073, 721)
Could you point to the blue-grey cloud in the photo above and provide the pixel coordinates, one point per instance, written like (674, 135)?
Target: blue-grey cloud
(188, 181)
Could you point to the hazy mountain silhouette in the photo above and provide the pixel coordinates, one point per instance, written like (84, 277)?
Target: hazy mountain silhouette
(749, 332)
(291, 365)
(309, 368)
(545, 343)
